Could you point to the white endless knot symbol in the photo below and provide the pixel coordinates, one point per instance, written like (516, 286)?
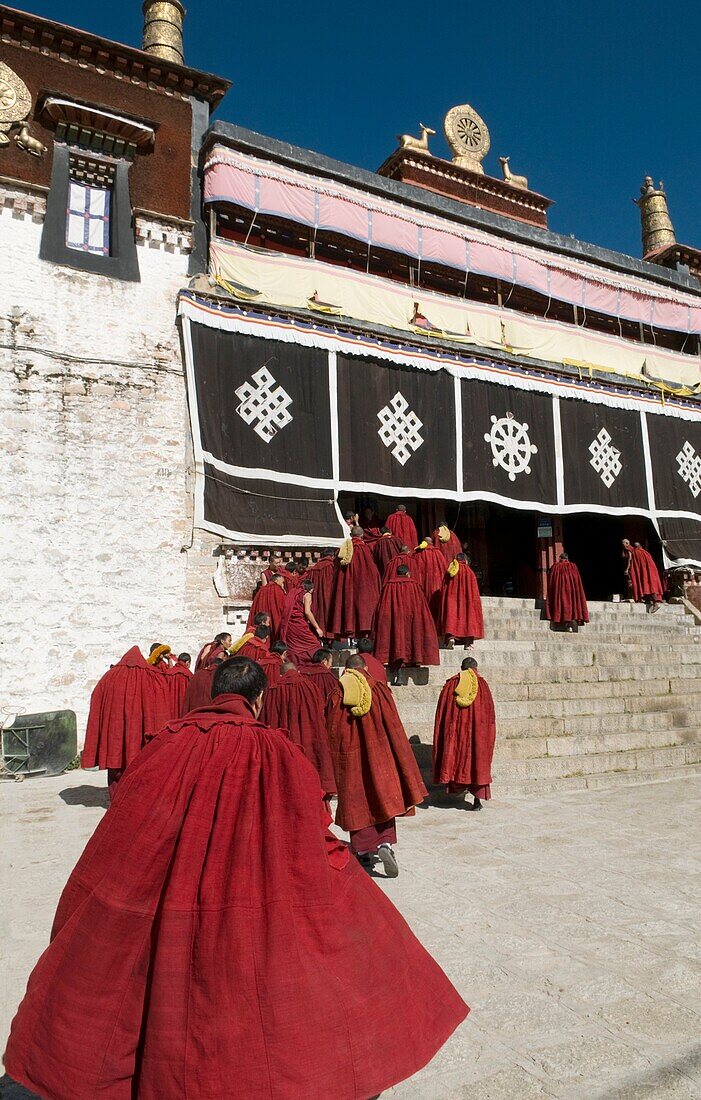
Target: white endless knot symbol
(265, 403)
(690, 468)
(511, 445)
(605, 459)
(401, 429)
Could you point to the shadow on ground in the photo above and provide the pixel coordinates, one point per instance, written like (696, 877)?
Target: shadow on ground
(85, 796)
(10, 1090)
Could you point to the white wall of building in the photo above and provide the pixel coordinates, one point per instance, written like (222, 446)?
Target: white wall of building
(95, 468)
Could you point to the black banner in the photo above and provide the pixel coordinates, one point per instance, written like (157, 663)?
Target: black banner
(508, 443)
(603, 457)
(396, 426)
(675, 450)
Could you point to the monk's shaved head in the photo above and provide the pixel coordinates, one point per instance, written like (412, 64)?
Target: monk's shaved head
(288, 666)
(356, 661)
(401, 507)
(357, 532)
(469, 662)
(403, 571)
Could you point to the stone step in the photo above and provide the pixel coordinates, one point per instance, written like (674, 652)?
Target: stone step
(532, 748)
(601, 781)
(504, 690)
(519, 670)
(419, 707)
(592, 633)
(560, 767)
(522, 728)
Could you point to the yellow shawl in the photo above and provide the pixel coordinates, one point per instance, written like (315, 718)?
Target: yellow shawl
(466, 688)
(240, 643)
(161, 651)
(357, 693)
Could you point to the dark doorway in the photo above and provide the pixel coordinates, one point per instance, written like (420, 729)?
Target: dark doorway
(593, 542)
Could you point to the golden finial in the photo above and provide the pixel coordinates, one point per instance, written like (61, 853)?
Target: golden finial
(163, 29)
(657, 228)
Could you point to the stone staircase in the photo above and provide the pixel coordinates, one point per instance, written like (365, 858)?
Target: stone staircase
(616, 703)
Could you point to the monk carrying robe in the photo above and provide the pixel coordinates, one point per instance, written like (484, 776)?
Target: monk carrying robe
(356, 589)
(377, 777)
(402, 558)
(132, 699)
(269, 598)
(385, 548)
(566, 603)
(272, 662)
(464, 735)
(403, 526)
(428, 567)
(296, 703)
(321, 576)
(645, 579)
(179, 677)
(447, 542)
(460, 604)
(404, 631)
(254, 645)
(215, 940)
(299, 629)
(218, 648)
(320, 670)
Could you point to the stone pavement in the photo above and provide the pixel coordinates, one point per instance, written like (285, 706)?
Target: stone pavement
(570, 923)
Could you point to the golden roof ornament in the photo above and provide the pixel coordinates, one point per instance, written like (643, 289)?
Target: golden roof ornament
(467, 135)
(417, 145)
(657, 228)
(15, 101)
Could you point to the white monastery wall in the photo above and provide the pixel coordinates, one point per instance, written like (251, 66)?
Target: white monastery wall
(95, 468)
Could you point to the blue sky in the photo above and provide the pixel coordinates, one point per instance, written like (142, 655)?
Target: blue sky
(586, 98)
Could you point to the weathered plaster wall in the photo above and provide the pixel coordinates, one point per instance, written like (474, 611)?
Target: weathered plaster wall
(95, 468)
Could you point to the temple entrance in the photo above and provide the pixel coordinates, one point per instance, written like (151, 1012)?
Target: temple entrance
(506, 552)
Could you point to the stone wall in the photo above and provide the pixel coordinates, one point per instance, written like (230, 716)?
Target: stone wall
(95, 467)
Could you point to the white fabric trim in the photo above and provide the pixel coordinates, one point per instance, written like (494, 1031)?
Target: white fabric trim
(559, 457)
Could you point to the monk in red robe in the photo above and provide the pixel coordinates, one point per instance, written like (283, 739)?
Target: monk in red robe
(371, 524)
(385, 548)
(199, 690)
(403, 526)
(272, 662)
(460, 604)
(321, 576)
(297, 703)
(428, 567)
(566, 603)
(404, 631)
(447, 542)
(375, 668)
(320, 670)
(132, 699)
(215, 940)
(299, 628)
(255, 645)
(179, 677)
(356, 589)
(218, 648)
(377, 776)
(402, 558)
(184, 660)
(645, 578)
(276, 566)
(464, 735)
(269, 598)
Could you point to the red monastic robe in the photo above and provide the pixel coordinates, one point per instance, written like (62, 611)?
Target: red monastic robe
(133, 699)
(321, 576)
(255, 648)
(271, 599)
(211, 651)
(428, 567)
(449, 549)
(356, 590)
(215, 939)
(377, 776)
(392, 566)
(322, 676)
(386, 548)
(463, 740)
(296, 703)
(271, 663)
(199, 690)
(375, 668)
(403, 526)
(644, 576)
(302, 642)
(404, 629)
(566, 601)
(179, 677)
(460, 605)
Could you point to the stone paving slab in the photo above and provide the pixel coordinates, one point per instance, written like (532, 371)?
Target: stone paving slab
(569, 922)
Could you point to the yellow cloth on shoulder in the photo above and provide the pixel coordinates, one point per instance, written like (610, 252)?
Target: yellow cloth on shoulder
(466, 688)
(422, 545)
(454, 568)
(357, 693)
(239, 644)
(443, 533)
(345, 552)
(157, 654)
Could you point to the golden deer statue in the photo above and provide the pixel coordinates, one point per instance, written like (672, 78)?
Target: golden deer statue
(515, 181)
(417, 145)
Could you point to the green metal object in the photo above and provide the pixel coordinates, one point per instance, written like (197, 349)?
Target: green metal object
(40, 744)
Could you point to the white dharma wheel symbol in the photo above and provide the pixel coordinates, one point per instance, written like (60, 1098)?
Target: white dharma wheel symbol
(511, 445)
